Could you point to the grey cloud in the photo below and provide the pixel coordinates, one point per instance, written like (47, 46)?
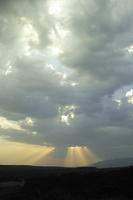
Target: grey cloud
(95, 51)
(32, 89)
(98, 42)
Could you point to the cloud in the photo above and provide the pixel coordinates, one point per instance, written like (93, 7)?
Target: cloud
(21, 126)
(60, 69)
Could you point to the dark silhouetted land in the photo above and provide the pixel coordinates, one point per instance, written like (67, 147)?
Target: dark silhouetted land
(121, 162)
(58, 183)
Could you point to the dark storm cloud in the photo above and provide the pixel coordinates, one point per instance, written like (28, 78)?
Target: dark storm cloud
(94, 49)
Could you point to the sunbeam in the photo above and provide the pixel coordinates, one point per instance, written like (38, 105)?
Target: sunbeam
(20, 153)
(41, 152)
(79, 156)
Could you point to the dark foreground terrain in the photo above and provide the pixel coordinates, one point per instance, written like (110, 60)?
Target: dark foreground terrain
(56, 183)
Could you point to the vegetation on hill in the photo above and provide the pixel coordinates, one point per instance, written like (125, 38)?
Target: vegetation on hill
(67, 183)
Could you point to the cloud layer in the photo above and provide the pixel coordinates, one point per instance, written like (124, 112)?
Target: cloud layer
(62, 74)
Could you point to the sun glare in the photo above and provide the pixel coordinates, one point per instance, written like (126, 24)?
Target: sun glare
(29, 36)
(55, 51)
(66, 113)
(129, 93)
(130, 49)
(55, 8)
(79, 156)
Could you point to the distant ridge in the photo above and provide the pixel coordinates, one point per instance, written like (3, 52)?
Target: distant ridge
(121, 162)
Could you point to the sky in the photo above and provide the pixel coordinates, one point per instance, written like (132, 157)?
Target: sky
(66, 81)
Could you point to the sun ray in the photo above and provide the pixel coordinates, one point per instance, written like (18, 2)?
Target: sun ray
(69, 157)
(38, 155)
(79, 156)
(21, 153)
(91, 157)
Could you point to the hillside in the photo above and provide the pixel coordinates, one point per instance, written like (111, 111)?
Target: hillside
(123, 162)
(58, 183)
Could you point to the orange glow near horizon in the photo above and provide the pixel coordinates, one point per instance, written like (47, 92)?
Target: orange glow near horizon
(16, 153)
(79, 156)
(22, 154)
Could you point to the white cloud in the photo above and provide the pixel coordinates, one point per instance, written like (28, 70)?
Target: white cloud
(130, 100)
(66, 113)
(9, 124)
(55, 7)
(27, 121)
(17, 125)
(129, 93)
